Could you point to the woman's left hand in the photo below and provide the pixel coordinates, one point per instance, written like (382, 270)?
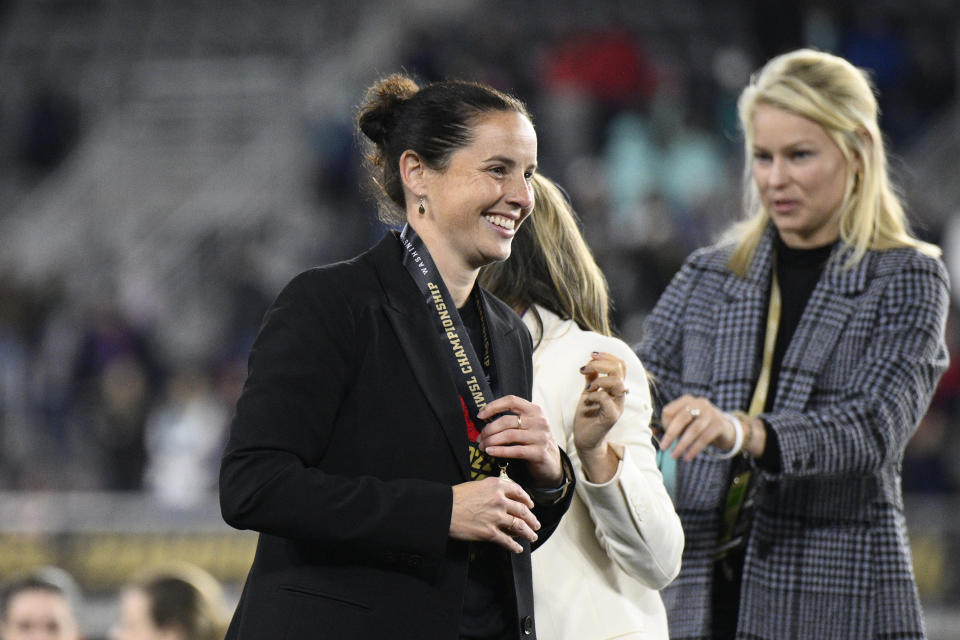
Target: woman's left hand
(522, 434)
(695, 423)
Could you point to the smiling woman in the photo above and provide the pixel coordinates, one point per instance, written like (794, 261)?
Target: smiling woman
(388, 396)
(473, 205)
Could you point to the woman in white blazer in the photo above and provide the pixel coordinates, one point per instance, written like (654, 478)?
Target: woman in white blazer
(621, 540)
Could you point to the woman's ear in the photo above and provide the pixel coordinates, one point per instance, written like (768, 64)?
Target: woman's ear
(412, 171)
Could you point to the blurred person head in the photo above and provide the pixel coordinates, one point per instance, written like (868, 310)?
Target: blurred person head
(39, 607)
(552, 266)
(816, 163)
(454, 160)
(179, 603)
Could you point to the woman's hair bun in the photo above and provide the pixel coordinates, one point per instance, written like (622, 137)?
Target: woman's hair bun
(379, 108)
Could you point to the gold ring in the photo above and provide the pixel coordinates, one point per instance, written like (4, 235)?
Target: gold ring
(519, 423)
(694, 412)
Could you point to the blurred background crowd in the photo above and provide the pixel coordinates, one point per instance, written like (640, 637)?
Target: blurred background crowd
(167, 165)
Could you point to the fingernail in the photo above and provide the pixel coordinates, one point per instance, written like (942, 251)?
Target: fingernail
(595, 354)
(583, 368)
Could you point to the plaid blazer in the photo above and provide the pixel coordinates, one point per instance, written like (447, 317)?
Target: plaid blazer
(828, 555)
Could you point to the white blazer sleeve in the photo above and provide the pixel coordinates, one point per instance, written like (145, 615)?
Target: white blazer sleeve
(636, 523)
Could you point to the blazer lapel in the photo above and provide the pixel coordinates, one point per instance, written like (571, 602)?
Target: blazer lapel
(741, 317)
(832, 302)
(407, 314)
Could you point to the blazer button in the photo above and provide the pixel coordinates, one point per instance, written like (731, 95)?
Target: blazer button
(526, 625)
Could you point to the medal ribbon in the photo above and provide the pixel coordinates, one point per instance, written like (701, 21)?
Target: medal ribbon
(461, 358)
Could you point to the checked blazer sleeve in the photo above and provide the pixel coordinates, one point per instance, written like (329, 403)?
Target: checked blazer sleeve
(879, 379)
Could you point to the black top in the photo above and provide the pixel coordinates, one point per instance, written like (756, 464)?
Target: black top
(798, 271)
(488, 579)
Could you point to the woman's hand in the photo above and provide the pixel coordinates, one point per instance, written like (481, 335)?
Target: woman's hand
(493, 510)
(522, 434)
(694, 423)
(599, 408)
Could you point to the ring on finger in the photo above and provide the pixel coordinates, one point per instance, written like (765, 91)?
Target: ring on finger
(519, 423)
(694, 411)
(513, 525)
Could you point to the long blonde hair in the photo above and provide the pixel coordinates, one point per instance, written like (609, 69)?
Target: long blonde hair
(551, 265)
(839, 97)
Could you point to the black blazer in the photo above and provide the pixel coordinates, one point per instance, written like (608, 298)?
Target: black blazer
(347, 439)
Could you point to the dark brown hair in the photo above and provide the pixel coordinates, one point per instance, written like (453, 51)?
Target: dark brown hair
(187, 599)
(433, 122)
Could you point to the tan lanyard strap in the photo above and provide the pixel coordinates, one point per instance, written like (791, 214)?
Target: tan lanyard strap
(760, 392)
(738, 491)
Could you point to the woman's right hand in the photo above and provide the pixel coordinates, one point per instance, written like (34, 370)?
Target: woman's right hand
(493, 510)
(601, 402)
(694, 423)
(600, 406)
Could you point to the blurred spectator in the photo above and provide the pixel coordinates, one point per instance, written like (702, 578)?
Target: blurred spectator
(184, 439)
(606, 63)
(181, 603)
(116, 377)
(39, 607)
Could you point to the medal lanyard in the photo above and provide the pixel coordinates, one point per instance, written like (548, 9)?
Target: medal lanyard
(460, 356)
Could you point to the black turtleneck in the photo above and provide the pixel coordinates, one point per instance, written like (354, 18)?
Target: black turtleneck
(798, 271)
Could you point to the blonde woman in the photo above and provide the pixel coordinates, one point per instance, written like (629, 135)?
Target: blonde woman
(621, 540)
(798, 356)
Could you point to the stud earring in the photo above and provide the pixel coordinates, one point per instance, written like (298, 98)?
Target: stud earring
(421, 209)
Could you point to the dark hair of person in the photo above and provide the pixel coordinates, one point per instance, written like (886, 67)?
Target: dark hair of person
(188, 605)
(31, 583)
(433, 122)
